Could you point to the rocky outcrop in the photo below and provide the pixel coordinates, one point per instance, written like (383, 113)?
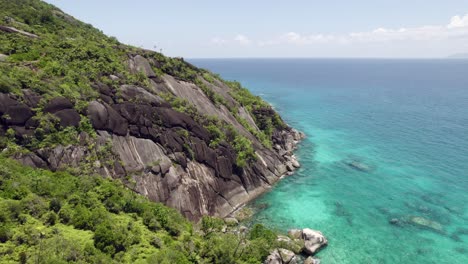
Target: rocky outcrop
(167, 153)
(313, 240)
(311, 260)
(17, 31)
(281, 256)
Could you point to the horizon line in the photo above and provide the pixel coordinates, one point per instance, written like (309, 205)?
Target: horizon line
(346, 58)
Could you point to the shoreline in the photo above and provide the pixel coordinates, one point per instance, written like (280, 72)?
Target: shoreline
(291, 163)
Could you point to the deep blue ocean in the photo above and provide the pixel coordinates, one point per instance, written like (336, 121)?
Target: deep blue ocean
(385, 164)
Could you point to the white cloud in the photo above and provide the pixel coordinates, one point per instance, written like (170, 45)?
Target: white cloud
(457, 28)
(218, 41)
(239, 39)
(242, 40)
(458, 22)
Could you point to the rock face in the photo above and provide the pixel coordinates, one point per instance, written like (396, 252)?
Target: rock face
(313, 240)
(311, 260)
(166, 153)
(281, 256)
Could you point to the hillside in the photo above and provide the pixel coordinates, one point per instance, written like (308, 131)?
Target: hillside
(74, 99)
(94, 124)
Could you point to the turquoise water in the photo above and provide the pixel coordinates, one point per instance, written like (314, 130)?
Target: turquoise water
(403, 124)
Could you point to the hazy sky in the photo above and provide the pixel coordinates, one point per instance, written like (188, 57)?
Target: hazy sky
(293, 28)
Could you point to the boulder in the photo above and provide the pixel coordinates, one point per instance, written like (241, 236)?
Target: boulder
(281, 256)
(17, 31)
(98, 114)
(295, 163)
(137, 94)
(104, 117)
(114, 78)
(140, 64)
(5, 102)
(3, 57)
(424, 222)
(164, 166)
(13, 112)
(313, 240)
(68, 117)
(30, 159)
(57, 104)
(17, 115)
(295, 233)
(31, 98)
(311, 260)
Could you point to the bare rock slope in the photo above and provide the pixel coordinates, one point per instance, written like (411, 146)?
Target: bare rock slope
(158, 150)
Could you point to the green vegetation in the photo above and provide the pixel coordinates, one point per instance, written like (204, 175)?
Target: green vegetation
(48, 217)
(69, 57)
(54, 217)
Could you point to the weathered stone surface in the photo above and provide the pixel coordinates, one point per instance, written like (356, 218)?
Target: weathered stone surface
(295, 233)
(62, 157)
(166, 152)
(137, 94)
(281, 256)
(31, 159)
(68, 117)
(311, 260)
(15, 30)
(313, 240)
(140, 64)
(31, 98)
(57, 104)
(13, 112)
(17, 115)
(104, 117)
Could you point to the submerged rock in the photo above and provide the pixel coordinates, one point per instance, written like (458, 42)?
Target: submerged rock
(424, 222)
(394, 221)
(358, 165)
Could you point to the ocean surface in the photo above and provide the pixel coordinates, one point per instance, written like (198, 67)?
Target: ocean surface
(385, 164)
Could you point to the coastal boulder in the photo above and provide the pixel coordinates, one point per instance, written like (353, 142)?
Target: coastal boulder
(311, 260)
(281, 256)
(313, 240)
(295, 233)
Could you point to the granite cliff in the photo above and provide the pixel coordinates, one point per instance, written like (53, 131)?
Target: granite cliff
(74, 99)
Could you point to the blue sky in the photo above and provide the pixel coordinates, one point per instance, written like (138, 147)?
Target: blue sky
(294, 28)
